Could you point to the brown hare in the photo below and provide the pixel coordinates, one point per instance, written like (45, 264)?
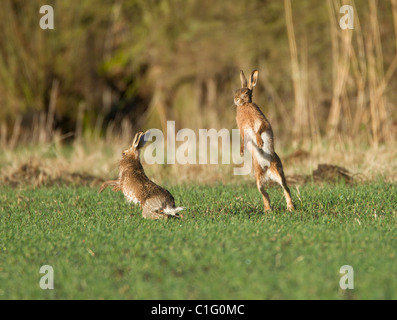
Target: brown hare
(256, 132)
(155, 201)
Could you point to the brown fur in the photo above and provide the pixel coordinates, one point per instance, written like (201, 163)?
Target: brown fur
(249, 116)
(155, 201)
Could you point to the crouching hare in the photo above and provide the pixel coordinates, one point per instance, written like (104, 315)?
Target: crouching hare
(155, 201)
(259, 141)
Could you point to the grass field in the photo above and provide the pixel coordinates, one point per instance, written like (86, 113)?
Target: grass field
(225, 248)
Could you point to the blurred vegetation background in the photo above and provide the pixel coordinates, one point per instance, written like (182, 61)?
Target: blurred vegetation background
(117, 65)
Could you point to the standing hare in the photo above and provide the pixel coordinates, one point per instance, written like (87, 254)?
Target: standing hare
(156, 202)
(253, 123)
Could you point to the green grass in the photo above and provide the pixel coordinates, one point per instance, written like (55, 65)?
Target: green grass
(225, 248)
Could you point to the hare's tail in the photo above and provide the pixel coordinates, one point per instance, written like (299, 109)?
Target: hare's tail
(172, 211)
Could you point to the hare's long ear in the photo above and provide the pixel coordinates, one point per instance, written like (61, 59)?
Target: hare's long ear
(243, 79)
(137, 138)
(253, 79)
(141, 140)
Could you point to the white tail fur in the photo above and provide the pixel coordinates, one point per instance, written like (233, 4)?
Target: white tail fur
(172, 211)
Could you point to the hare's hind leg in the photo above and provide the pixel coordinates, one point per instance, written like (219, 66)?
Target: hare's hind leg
(260, 177)
(265, 196)
(276, 174)
(155, 216)
(147, 213)
(153, 209)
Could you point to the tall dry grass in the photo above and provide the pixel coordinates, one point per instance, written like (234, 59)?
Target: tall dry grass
(349, 123)
(360, 80)
(98, 157)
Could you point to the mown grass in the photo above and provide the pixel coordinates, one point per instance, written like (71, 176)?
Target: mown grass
(225, 248)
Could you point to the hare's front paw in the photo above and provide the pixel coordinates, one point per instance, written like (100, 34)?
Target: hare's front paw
(259, 142)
